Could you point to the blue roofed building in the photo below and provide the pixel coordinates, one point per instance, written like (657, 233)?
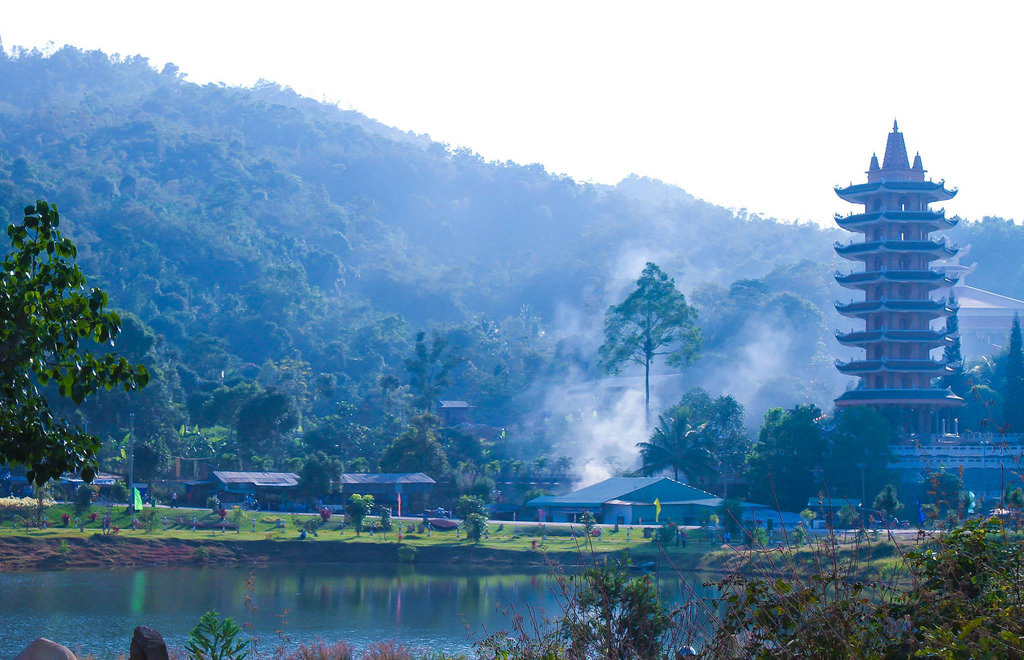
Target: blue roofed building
(629, 501)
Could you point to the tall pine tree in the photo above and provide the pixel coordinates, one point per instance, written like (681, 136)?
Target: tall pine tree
(653, 320)
(1013, 399)
(952, 353)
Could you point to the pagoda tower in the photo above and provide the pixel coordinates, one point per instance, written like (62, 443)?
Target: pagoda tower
(898, 309)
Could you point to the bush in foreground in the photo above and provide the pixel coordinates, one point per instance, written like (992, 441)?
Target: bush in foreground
(964, 600)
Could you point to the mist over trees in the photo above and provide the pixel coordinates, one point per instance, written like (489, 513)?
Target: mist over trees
(301, 278)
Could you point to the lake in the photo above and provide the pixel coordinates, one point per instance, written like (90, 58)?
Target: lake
(438, 608)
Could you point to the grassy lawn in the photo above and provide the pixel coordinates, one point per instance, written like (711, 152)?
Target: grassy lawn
(502, 534)
(879, 559)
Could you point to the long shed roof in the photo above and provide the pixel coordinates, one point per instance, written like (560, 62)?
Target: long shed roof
(386, 478)
(281, 479)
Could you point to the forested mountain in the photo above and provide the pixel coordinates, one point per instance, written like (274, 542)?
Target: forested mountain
(277, 256)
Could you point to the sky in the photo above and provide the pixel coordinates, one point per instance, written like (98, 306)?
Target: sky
(762, 106)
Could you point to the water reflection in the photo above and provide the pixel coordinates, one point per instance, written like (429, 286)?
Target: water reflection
(434, 608)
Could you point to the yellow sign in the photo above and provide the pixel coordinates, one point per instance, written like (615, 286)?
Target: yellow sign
(657, 509)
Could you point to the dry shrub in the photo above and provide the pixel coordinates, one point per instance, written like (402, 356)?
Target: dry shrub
(320, 650)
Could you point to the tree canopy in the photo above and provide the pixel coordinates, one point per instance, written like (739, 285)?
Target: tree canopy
(263, 248)
(52, 332)
(856, 464)
(789, 447)
(1013, 404)
(653, 320)
(416, 449)
(676, 445)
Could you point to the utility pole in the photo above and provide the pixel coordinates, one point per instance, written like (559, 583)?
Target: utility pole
(131, 462)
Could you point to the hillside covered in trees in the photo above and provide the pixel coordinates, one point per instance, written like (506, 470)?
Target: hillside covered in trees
(277, 258)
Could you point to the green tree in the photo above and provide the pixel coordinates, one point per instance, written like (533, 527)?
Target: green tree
(589, 521)
(152, 459)
(119, 492)
(47, 321)
(782, 464)
(983, 403)
(857, 460)
(1013, 498)
(847, 516)
(607, 614)
(265, 422)
(430, 370)
(888, 502)
(943, 490)
(475, 524)
(416, 449)
(83, 499)
(358, 466)
(1013, 399)
(223, 404)
(724, 431)
(730, 517)
(384, 511)
(357, 508)
(214, 639)
(345, 434)
(677, 446)
(614, 616)
(468, 505)
(318, 475)
(952, 353)
(653, 320)
(388, 383)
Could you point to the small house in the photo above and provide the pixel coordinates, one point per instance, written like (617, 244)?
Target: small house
(453, 413)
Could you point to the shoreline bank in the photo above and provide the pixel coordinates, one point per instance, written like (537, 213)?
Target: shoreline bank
(107, 551)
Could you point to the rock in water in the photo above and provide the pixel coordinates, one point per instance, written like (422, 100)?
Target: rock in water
(147, 644)
(44, 649)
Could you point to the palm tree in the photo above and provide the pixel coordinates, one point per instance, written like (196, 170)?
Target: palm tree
(676, 444)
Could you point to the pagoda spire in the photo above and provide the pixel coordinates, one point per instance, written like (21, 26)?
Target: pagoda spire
(895, 150)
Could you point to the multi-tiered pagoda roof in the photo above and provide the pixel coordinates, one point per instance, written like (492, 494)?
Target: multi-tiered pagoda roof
(936, 249)
(897, 282)
(865, 222)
